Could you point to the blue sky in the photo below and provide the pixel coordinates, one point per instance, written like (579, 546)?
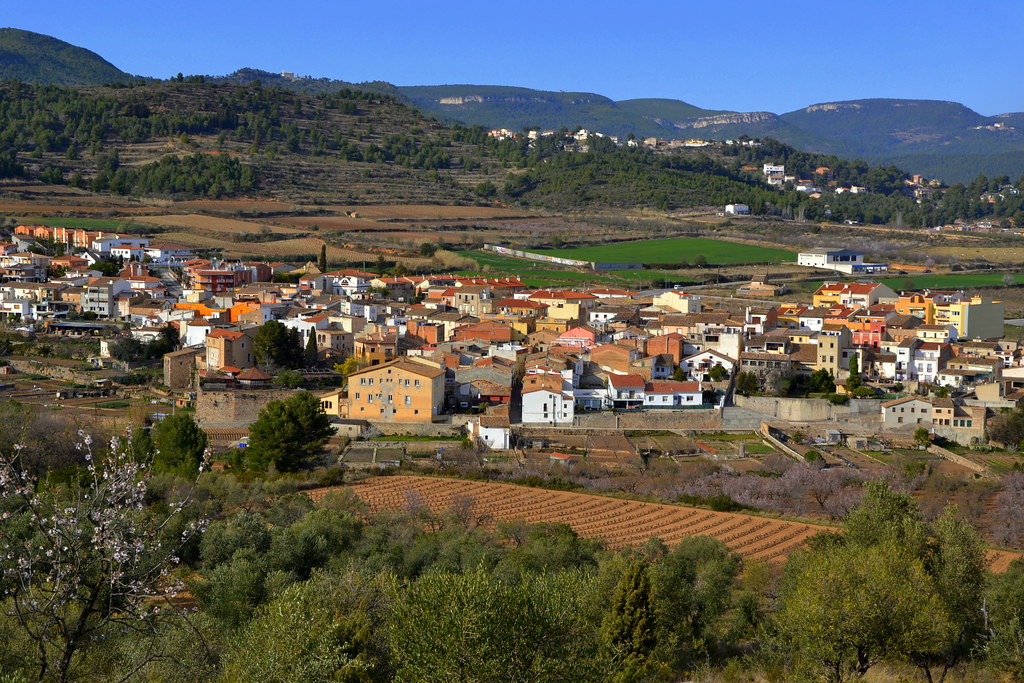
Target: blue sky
(741, 55)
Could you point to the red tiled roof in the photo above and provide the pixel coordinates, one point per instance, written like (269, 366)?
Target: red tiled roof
(226, 334)
(670, 387)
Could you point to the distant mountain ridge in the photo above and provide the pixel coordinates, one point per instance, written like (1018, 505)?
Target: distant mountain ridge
(37, 58)
(936, 138)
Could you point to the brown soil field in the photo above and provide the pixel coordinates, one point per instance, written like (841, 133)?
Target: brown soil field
(231, 205)
(214, 224)
(617, 521)
(304, 245)
(331, 222)
(428, 211)
(32, 208)
(191, 239)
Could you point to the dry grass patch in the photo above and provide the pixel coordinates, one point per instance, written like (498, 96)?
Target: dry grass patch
(231, 205)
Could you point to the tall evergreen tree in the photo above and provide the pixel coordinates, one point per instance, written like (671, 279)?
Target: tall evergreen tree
(310, 353)
(628, 628)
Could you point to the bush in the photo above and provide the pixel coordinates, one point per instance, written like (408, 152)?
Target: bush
(838, 399)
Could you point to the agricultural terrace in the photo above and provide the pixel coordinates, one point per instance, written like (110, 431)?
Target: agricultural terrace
(674, 250)
(616, 521)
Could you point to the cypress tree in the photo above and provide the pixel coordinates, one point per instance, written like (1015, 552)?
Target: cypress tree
(628, 628)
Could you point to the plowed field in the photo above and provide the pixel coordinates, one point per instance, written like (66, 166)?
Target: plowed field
(618, 522)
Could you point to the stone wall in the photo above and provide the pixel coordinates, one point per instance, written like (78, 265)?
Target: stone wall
(809, 409)
(651, 419)
(235, 406)
(417, 428)
(38, 367)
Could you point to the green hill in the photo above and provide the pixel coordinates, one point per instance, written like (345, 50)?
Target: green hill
(667, 110)
(514, 108)
(890, 128)
(36, 58)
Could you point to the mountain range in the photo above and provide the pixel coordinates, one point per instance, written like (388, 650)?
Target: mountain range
(934, 138)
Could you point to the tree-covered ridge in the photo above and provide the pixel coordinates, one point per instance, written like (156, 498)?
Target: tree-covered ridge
(58, 134)
(37, 58)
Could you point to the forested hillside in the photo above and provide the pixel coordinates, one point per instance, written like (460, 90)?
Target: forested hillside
(189, 138)
(36, 58)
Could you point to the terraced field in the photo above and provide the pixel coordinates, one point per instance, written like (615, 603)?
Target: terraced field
(618, 522)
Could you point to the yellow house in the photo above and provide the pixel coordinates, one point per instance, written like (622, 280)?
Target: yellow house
(680, 302)
(565, 306)
(404, 390)
(828, 347)
(979, 318)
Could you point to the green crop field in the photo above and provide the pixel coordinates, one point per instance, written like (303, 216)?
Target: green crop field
(675, 250)
(913, 281)
(85, 223)
(538, 274)
(953, 280)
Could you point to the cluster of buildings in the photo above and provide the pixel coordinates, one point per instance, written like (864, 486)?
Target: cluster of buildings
(427, 346)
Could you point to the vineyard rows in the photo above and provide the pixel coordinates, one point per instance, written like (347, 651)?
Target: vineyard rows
(617, 521)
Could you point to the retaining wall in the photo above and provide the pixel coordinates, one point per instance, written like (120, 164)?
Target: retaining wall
(808, 409)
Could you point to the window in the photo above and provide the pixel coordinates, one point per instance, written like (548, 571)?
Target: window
(362, 381)
(416, 383)
(357, 395)
(408, 400)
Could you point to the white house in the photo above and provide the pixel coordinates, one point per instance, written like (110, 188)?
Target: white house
(493, 430)
(347, 281)
(103, 245)
(737, 210)
(839, 260)
(667, 394)
(698, 366)
(907, 411)
(626, 391)
(547, 399)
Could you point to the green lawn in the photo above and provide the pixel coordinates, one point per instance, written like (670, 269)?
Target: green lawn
(86, 223)
(674, 250)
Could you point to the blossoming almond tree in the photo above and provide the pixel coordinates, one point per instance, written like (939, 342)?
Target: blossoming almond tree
(83, 561)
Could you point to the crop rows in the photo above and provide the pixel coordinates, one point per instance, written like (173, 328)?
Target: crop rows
(616, 521)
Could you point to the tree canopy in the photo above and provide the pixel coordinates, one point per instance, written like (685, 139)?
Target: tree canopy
(286, 433)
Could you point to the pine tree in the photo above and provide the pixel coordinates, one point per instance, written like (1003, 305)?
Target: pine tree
(322, 265)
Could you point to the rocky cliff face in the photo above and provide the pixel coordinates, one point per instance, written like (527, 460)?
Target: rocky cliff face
(741, 118)
(832, 106)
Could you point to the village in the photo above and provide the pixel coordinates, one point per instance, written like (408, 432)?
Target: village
(521, 371)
